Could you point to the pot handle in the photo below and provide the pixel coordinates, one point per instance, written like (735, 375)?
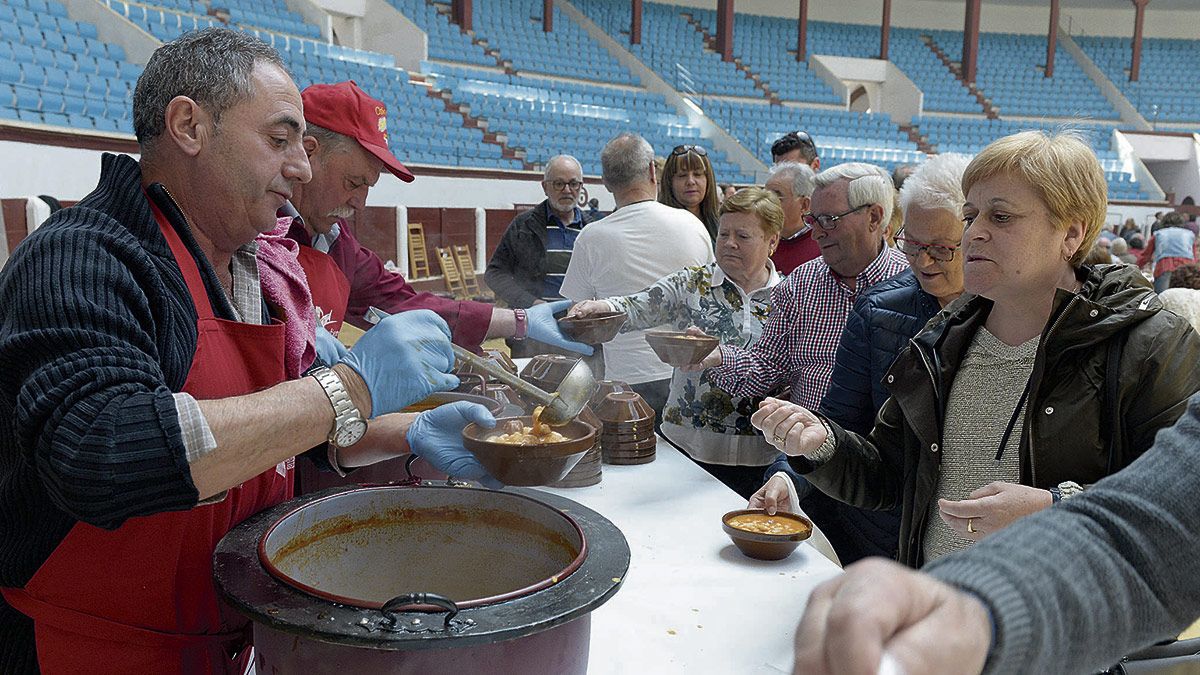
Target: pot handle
(389, 607)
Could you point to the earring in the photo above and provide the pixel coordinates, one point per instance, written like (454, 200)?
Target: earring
(1067, 257)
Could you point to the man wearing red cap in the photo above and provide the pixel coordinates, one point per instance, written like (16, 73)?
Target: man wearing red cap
(347, 146)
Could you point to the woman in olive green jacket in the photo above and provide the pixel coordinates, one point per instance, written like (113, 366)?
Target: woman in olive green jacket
(1044, 378)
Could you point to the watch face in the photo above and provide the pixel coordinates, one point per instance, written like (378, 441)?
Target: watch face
(350, 433)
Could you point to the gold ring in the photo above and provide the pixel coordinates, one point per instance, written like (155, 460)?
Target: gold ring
(778, 438)
(971, 525)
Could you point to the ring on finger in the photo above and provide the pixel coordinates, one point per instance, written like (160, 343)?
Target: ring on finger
(971, 525)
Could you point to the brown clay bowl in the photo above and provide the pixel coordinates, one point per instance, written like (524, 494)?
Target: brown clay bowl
(595, 329)
(529, 465)
(767, 546)
(680, 349)
(444, 397)
(624, 407)
(606, 387)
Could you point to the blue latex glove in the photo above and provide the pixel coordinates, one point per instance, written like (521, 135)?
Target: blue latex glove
(403, 359)
(329, 349)
(436, 435)
(543, 327)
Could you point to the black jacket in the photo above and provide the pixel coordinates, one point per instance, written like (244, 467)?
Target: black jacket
(517, 270)
(1068, 435)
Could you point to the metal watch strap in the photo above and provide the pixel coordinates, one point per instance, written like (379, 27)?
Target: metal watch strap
(344, 410)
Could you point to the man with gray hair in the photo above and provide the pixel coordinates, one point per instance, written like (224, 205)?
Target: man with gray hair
(793, 183)
(158, 376)
(529, 263)
(851, 206)
(347, 146)
(627, 251)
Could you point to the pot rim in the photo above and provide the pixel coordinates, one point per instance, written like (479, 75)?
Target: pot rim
(244, 584)
(278, 574)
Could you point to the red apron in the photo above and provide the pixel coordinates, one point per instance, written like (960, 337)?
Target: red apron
(140, 599)
(329, 286)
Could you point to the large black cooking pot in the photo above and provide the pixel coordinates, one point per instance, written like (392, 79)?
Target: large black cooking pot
(422, 579)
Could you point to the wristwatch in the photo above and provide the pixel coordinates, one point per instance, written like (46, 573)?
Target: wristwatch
(348, 424)
(1064, 490)
(522, 324)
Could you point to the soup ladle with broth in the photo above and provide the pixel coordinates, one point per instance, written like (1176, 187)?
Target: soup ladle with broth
(562, 406)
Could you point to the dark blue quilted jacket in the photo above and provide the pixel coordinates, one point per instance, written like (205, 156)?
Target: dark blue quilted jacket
(882, 322)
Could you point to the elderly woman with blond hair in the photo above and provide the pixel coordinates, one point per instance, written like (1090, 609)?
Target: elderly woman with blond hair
(1043, 377)
(729, 299)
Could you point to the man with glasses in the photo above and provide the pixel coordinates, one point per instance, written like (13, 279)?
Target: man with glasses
(796, 146)
(347, 146)
(792, 182)
(851, 207)
(528, 265)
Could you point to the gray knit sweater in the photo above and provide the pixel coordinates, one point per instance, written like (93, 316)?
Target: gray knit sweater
(987, 389)
(1075, 587)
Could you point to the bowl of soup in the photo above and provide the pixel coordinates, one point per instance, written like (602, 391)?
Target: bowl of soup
(766, 537)
(520, 451)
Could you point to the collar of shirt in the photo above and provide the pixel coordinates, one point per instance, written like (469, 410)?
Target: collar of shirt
(719, 278)
(872, 274)
(576, 217)
(803, 231)
(321, 242)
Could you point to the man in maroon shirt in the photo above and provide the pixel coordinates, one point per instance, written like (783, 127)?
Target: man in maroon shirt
(347, 147)
(792, 182)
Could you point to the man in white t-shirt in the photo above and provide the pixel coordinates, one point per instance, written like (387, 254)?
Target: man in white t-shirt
(627, 251)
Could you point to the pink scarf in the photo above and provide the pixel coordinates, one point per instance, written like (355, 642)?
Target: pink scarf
(285, 286)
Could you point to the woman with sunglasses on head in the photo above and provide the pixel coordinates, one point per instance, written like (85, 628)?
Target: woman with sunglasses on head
(688, 183)
(1044, 377)
(883, 321)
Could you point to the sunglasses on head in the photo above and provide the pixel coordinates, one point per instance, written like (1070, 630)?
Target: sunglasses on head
(685, 149)
(792, 140)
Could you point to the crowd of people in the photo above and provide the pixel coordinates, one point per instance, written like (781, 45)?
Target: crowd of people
(956, 366)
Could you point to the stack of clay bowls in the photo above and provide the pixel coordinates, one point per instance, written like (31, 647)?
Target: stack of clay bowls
(627, 428)
(587, 471)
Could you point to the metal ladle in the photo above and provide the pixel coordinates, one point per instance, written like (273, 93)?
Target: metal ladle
(561, 406)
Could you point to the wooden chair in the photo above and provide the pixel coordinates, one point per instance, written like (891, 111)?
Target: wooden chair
(418, 261)
(454, 281)
(466, 267)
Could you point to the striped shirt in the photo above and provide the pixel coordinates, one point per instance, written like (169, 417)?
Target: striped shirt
(799, 342)
(560, 241)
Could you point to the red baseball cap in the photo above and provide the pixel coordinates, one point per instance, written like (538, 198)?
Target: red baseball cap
(348, 110)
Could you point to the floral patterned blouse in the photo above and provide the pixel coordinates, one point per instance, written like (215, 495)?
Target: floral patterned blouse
(707, 422)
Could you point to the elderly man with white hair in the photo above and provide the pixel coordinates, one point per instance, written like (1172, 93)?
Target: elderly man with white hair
(851, 207)
(793, 183)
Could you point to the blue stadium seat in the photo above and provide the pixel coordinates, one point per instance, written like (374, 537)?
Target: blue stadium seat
(52, 102)
(33, 75)
(56, 119)
(10, 72)
(27, 98)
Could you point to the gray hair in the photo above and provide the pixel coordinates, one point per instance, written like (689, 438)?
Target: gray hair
(625, 160)
(331, 141)
(213, 67)
(801, 175)
(561, 159)
(936, 184)
(868, 184)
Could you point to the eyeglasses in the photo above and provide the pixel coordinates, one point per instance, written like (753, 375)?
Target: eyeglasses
(912, 247)
(829, 222)
(685, 149)
(792, 140)
(558, 185)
